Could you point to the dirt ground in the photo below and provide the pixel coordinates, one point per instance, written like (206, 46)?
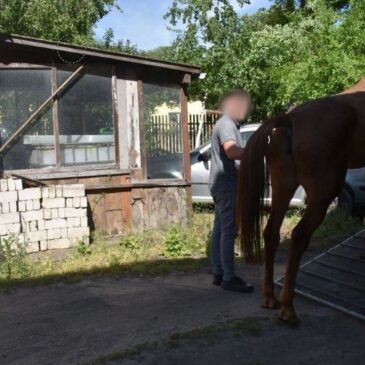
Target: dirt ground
(174, 319)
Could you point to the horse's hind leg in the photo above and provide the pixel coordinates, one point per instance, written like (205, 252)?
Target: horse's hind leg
(283, 184)
(301, 235)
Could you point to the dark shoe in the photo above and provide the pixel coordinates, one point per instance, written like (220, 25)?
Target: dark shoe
(238, 285)
(217, 279)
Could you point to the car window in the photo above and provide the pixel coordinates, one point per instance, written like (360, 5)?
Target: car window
(245, 136)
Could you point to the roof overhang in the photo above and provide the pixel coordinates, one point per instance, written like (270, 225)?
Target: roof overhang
(35, 43)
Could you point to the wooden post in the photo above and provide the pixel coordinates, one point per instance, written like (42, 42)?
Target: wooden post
(185, 132)
(142, 130)
(56, 126)
(186, 146)
(27, 123)
(115, 114)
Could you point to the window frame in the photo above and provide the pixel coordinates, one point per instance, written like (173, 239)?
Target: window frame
(56, 122)
(186, 173)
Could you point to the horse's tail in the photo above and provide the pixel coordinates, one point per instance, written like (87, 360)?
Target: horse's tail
(252, 189)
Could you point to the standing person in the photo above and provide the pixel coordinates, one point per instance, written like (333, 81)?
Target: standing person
(226, 149)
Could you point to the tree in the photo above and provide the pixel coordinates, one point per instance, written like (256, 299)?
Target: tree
(122, 46)
(59, 20)
(279, 60)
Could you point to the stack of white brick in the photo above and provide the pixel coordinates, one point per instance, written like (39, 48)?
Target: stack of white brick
(9, 215)
(45, 218)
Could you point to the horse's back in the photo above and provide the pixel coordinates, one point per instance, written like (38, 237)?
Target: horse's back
(332, 123)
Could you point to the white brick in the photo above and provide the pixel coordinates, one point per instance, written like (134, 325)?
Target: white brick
(75, 212)
(56, 223)
(33, 227)
(8, 196)
(29, 204)
(84, 222)
(72, 190)
(33, 215)
(50, 234)
(9, 218)
(54, 213)
(35, 236)
(6, 229)
(36, 204)
(30, 194)
(73, 222)
(13, 207)
(60, 243)
(22, 206)
(43, 245)
(53, 234)
(57, 233)
(59, 191)
(45, 193)
(51, 191)
(78, 233)
(69, 202)
(11, 185)
(6, 207)
(77, 202)
(18, 184)
(64, 233)
(41, 225)
(53, 203)
(3, 185)
(83, 202)
(32, 247)
(47, 213)
(61, 212)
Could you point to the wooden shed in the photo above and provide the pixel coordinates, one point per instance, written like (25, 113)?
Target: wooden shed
(70, 114)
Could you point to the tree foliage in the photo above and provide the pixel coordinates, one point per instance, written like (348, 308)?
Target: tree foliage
(282, 55)
(59, 20)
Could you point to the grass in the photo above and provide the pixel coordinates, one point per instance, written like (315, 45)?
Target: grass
(152, 252)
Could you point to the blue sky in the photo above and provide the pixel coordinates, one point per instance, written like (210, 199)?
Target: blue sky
(142, 22)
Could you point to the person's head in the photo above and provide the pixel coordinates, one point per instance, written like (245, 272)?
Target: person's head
(236, 104)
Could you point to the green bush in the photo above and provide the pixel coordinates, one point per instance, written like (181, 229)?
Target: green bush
(83, 249)
(180, 242)
(13, 258)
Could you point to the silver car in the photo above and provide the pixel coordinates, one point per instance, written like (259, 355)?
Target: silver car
(351, 197)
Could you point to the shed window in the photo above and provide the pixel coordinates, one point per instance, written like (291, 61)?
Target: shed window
(21, 93)
(86, 120)
(163, 132)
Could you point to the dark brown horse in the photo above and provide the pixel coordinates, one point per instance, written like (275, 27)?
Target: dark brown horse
(313, 146)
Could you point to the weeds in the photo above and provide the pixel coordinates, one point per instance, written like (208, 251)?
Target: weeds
(12, 258)
(143, 253)
(83, 249)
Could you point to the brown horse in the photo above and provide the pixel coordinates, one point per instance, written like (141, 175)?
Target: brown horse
(313, 146)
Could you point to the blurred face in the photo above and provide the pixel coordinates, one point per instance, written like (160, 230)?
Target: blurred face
(237, 107)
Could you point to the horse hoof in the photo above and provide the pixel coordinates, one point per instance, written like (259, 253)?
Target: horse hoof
(271, 303)
(289, 318)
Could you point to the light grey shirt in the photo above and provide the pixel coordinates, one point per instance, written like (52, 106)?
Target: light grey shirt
(223, 170)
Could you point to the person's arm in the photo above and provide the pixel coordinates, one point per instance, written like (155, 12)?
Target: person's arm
(232, 150)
